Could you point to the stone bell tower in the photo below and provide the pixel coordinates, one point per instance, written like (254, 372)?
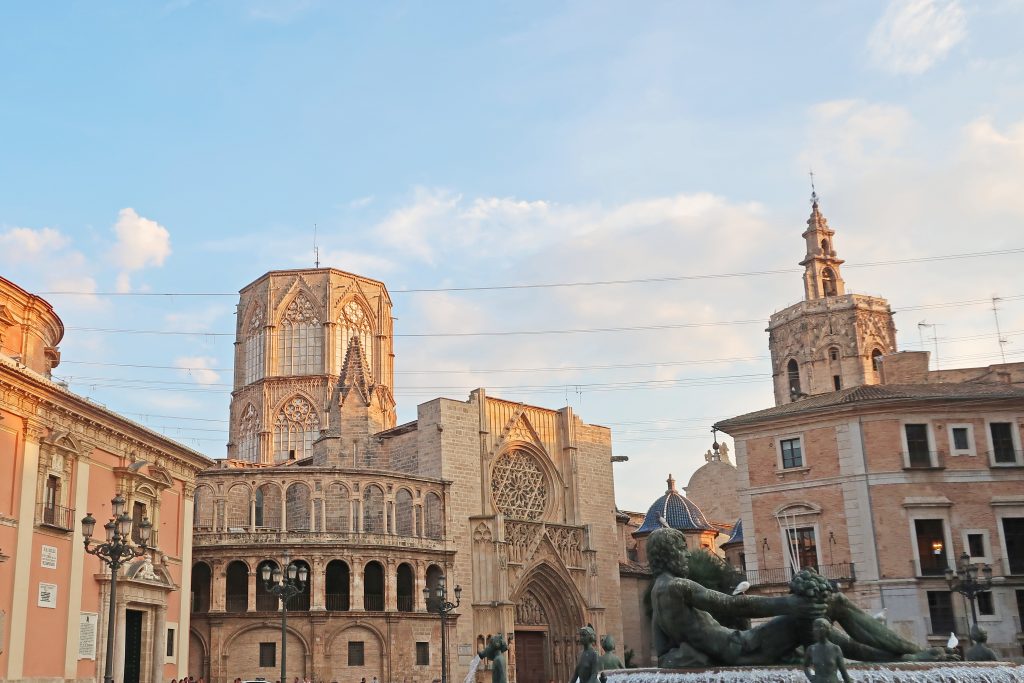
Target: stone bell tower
(831, 340)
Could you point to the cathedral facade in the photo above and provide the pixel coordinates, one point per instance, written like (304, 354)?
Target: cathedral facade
(513, 503)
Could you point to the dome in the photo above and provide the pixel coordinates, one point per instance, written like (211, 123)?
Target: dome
(737, 534)
(678, 511)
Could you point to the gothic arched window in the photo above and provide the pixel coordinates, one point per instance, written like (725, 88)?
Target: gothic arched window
(793, 373)
(300, 340)
(519, 485)
(353, 323)
(295, 427)
(373, 510)
(828, 282)
(253, 348)
(248, 434)
(875, 356)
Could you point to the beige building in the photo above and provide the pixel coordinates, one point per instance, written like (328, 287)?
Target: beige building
(515, 503)
(62, 456)
(878, 472)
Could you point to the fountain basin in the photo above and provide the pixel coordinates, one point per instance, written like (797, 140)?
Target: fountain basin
(901, 672)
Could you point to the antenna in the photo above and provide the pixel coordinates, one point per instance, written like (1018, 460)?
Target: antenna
(316, 249)
(999, 334)
(935, 339)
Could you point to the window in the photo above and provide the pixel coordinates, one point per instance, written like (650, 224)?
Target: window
(300, 339)
(837, 382)
(422, 654)
(828, 282)
(986, 605)
(833, 353)
(931, 546)
(355, 653)
(51, 499)
(170, 642)
(295, 427)
(976, 545)
(940, 612)
(268, 654)
(961, 439)
(1020, 604)
(1004, 451)
(791, 454)
(793, 373)
(918, 445)
(1013, 536)
(248, 434)
(875, 356)
(138, 514)
(804, 547)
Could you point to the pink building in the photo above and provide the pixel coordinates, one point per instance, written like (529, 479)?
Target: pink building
(62, 456)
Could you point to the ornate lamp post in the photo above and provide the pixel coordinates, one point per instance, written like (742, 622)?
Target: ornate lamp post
(443, 607)
(285, 588)
(115, 552)
(964, 580)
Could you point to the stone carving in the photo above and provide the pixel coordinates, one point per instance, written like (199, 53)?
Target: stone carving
(301, 310)
(687, 628)
(146, 571)
(609, 660)
(825, 656)
(482, 533)
(255, 320)
(587, 666)
(519, 485)
(530, 612)
(495, 651)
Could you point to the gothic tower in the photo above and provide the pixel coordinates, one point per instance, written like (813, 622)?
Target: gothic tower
(831, 340)
(313, 359)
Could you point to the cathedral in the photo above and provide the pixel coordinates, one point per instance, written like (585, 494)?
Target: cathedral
(512, 503)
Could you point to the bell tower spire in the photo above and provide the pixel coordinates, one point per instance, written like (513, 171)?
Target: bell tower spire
(821, 265)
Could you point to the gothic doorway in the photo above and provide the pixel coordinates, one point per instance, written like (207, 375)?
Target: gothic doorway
(549, 612)
(132, 645)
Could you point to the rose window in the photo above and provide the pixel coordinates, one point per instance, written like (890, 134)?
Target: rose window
(519, 486)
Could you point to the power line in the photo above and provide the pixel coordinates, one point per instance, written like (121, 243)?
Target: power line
(582, 283)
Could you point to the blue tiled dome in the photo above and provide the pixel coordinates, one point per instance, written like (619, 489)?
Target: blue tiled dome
(737, 534)
(677, 510)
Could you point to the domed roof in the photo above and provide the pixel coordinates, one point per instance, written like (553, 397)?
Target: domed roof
(737, 534)
(677, 511)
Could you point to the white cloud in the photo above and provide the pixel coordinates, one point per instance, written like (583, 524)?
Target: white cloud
(418, 229)
(361, 202)
(912, 35)
(352, 262)
(20, 243)
(198, 368)
(141, 242)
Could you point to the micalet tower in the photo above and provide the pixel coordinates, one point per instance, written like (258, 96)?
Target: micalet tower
(831, 340)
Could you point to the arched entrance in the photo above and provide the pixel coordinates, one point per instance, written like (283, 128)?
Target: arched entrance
(549, 612)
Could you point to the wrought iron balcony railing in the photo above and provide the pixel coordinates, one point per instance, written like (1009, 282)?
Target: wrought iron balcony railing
(776, 576)
(236, 603)
(373, 603)
(57, 516)
(337, 602)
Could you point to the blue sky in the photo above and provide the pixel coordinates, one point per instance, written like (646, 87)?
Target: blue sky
(191, 146)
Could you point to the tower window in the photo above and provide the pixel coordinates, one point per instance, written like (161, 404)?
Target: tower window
(828, 282)
(833, 353)
(824, 247)
(793, 372)
(875, 355)
(837, 382)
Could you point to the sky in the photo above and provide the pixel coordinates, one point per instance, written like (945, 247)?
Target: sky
(653, 158)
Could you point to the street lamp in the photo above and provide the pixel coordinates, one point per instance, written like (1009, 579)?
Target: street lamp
(115, 552)
(285, 588)
(443, 608)
(964, 580)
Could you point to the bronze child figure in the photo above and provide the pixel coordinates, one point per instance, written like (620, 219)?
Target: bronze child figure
(587, 666)
(825, 656)
(609, 660)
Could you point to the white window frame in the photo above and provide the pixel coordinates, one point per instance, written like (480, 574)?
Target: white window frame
(778, 453)
(1014, 434)
(986, 542)
(931, 442)
(953, 450)
(177, 642)
(1004, 510)
(940, 512)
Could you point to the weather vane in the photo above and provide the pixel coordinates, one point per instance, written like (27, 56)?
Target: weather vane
(814, 192)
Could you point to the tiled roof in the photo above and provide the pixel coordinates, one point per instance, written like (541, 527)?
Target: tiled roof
(879, 393)
(677, 510)
(737, 533)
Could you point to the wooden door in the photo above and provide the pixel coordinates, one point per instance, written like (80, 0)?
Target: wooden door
(531, 664)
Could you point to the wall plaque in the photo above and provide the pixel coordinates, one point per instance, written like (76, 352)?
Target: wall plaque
(87, 635)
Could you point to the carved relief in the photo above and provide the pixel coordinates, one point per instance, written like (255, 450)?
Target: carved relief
(529, 612)
(519, 485)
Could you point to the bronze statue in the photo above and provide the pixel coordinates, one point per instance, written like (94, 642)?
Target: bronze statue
(686, 618)
(980, 651)
(587, 666)
(609, 660)
(825, 656)
(495, 651)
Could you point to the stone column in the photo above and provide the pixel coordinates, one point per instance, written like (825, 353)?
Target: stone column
(159, 642)
(420, 583)
(357, 584)
(250, 600)
(357, 519)
(284, 509)
(217, 586)
(23, 554)
(390, 586)
(391, 517)
(74, 606)
(417, 520)
(318, 579)
(252, 514)
(119, 638)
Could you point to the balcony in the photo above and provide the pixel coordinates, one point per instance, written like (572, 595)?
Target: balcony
(943, 626)
(337, 602)
(236, 603)
(373, 603)
(267, 603)
(843, 572)
(204, 537)
(405, 603)
(57, 517)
